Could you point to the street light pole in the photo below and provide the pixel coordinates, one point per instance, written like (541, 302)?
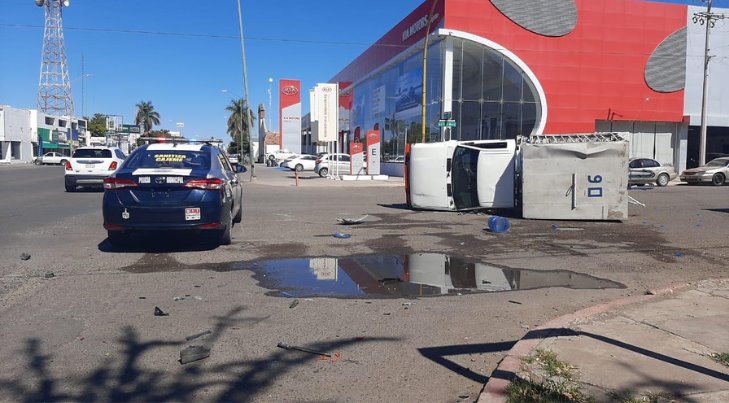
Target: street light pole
(425, 67)
(270, 99)
(245, 89)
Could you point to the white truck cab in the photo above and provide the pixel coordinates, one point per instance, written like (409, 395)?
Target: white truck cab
(462, 175)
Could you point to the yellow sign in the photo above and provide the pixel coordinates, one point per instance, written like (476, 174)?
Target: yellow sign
(169, 158)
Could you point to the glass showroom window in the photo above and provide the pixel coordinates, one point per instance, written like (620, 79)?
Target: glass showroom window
(392, 100)
(492, 97)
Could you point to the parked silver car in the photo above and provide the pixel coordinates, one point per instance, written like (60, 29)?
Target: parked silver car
(645, 171)
(715, 172)
(338, 164)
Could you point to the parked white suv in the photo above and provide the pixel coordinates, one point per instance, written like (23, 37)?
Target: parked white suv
(89, 166)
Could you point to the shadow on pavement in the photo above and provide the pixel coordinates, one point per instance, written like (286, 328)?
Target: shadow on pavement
(718, 210)
(647, 381)
(439, 354)
(126, 379)
(163, 242)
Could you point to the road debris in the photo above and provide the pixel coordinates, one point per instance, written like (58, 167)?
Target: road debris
(193, 353)
(632, 200)
(352, 221)
(407, 305)
(50, 274)
(498, 224)
(293, 304)
(24, 256)
(302, 349)
(188, 296)
(198, 335)
(515, 302)
(159, 312)
(342, 235)
(679, 254)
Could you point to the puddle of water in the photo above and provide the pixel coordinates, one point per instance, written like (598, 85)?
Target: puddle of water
(414, 275)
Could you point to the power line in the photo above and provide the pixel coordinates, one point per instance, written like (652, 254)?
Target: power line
(208, 36)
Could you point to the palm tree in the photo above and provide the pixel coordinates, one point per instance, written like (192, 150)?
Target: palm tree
(238, 125)
(146, 116)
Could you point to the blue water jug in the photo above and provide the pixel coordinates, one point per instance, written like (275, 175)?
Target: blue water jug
(499, 224)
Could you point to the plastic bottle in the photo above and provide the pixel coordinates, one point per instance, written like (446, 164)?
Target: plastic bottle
(499, 224)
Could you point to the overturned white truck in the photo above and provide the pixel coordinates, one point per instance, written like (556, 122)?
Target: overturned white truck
(558, 177)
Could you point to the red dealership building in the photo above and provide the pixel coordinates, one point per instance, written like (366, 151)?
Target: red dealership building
(504, 68)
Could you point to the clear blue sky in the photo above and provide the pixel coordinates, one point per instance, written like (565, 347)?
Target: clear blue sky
(184, 55)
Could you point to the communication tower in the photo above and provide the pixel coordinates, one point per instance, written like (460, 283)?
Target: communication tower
(54, 85)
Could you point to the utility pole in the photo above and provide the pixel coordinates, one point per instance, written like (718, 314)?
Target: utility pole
(245, 86)
(709, 19)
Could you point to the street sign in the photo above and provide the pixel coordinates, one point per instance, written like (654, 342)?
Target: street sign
(446, 123)
(447, 115)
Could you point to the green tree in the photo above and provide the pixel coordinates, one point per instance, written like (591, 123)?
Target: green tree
(96, 125)
(147, 117)
(237, 123)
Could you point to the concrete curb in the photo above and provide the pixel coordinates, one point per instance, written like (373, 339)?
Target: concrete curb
(495, 389)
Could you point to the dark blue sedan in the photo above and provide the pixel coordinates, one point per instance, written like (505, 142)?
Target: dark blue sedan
(173, 186)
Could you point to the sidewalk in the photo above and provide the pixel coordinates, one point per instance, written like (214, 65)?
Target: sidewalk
(657, 346)
(277, 176)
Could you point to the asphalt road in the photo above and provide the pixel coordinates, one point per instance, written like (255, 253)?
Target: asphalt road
(88, 331)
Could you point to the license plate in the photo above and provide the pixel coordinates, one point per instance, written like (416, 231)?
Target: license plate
(192, 213)
(174, 179)
(90, 165)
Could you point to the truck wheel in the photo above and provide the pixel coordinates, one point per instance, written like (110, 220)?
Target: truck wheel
(663, 180)
(718, 180)
(323, 172)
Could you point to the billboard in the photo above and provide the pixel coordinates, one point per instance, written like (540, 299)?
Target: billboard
(290, 115)
(327, 105)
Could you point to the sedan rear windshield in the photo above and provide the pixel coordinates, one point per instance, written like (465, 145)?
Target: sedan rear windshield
(169, 159)
(92, 153)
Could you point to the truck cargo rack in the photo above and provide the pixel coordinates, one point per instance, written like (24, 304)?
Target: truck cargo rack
(576, 138)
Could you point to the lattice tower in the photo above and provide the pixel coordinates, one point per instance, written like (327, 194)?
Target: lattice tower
(54, 86)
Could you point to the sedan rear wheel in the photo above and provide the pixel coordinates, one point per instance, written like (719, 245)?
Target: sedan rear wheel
(238, 216)
(323, 172)
(718, 180)
(226, 237)
(299, 168)
(663, 180)
(116, 238)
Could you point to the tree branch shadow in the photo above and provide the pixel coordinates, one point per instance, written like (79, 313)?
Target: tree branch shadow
(126, 379)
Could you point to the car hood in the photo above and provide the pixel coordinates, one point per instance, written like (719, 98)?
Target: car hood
(700, 169)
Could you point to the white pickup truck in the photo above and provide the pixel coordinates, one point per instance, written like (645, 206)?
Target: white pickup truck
(570, 177)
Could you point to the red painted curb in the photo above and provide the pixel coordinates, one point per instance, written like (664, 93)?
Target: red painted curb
(495, 389)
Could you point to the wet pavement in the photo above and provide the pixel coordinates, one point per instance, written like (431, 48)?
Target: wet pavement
(407, 276)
